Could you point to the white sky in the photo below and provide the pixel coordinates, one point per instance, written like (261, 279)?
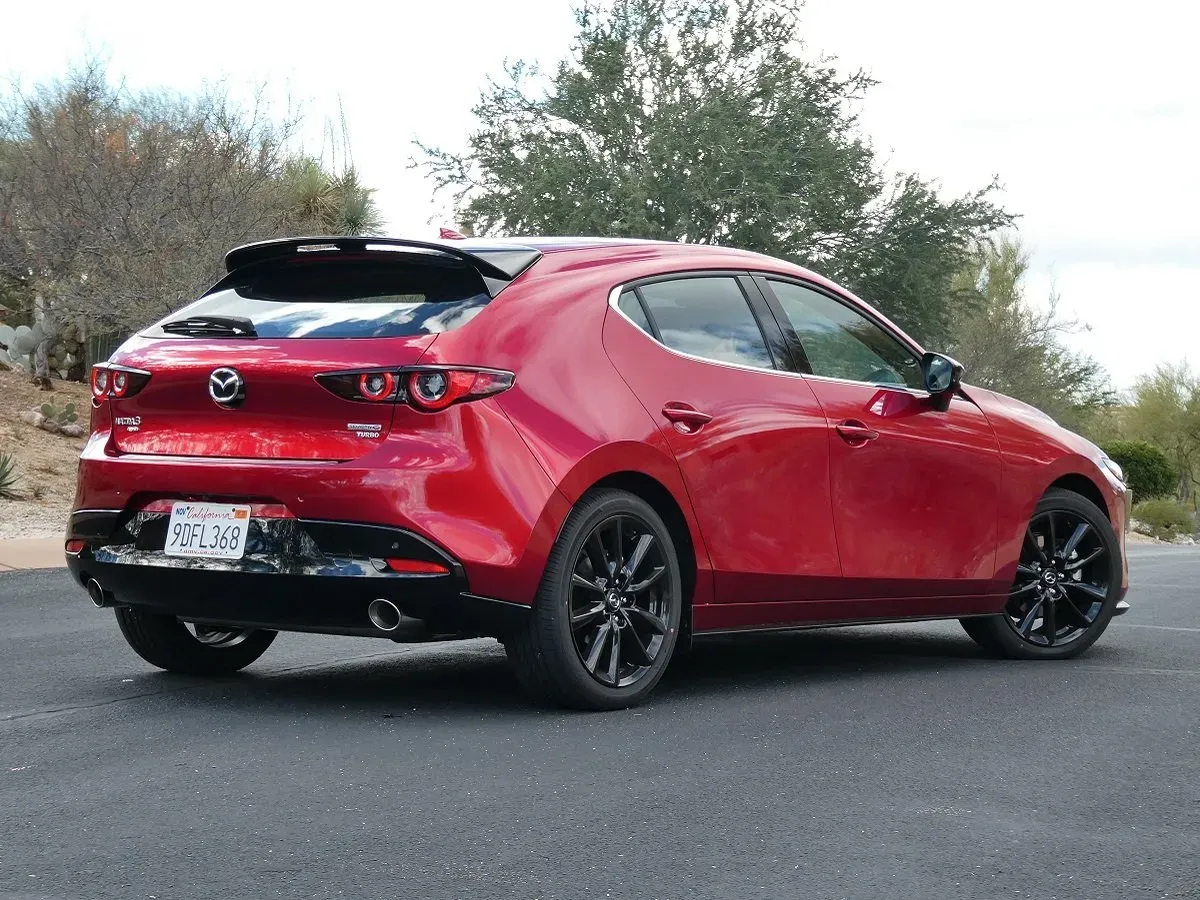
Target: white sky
(1089, 112)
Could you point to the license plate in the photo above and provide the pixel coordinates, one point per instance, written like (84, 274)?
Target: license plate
(211, 530)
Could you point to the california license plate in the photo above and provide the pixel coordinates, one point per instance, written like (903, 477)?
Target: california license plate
(211, 530)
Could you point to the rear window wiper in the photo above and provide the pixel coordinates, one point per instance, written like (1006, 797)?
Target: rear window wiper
(212, 326)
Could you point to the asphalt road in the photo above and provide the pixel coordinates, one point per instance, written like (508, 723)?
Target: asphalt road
(862, 763)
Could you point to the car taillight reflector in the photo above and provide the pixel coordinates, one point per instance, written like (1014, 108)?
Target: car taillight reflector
(75, 546)
(376, 386)
(99, 382)
(424, 388)
(117, 381)
(415, 567)
(430, 390)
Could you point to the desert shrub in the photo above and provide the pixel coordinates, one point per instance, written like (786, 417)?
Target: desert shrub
(1148, 472)
(1163, 518)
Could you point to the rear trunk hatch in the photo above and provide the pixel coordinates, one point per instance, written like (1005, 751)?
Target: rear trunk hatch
(273, 326)
(284, 414)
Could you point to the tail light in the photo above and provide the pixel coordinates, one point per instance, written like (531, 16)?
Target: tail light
(431, 389)
(117, 381)
(426, 388)
(376, 386)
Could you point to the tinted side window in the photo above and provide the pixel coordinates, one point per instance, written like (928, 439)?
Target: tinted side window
(709, 318)
(629, 304)
(842, 343)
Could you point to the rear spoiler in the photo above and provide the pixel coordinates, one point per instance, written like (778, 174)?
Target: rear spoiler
(496, 263)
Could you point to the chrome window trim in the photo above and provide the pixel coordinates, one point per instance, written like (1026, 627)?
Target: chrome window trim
(615, 295)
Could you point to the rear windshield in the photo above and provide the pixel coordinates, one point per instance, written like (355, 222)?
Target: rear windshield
(346, 299)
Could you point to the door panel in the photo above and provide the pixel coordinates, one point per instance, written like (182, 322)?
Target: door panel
(915, 489)
(915, 506)
(753, 449)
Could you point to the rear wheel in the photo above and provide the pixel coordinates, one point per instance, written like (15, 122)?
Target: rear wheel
(166, 642)
(1067, 585)
(606, 618)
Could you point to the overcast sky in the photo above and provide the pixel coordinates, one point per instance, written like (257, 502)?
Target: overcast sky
(1088, 112)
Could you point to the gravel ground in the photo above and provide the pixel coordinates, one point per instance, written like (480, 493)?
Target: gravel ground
(46, 463)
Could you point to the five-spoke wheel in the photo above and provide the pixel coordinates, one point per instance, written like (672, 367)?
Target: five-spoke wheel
(1066, 587)
(607, 615)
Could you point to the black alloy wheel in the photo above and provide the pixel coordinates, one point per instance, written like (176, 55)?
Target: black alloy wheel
(619, 609)
(1067, 584)
(606, 619)
(1062, 580)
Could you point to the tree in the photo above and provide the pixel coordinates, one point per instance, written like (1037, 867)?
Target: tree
(1013, 347)
(700, 121)
(1166, 411)
(1148, 471)
(116, 208)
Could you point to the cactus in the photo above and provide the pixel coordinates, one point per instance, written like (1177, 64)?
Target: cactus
(8, 476)
(60, 417)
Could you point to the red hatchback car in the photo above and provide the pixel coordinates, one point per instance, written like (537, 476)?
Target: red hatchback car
(592, 450)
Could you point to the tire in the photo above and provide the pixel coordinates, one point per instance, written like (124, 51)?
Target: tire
(548, 654)
(166, 642)
(1001, 635)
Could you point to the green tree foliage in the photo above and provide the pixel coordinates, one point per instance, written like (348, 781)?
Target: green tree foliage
(1014, 347)
(1148, 471)
(116, 207)
(703, 121)
(1166, 411)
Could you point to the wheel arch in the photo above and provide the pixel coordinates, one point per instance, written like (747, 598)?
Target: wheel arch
(1078, 483)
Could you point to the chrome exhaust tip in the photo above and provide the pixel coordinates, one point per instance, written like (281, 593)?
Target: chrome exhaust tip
(97, 594)
(384, 615)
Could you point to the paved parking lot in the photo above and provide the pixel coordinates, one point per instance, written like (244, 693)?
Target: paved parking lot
(861, 763)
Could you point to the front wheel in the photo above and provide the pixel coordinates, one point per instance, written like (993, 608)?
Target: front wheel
(606, 618)
(1067, 586)
(166, 642)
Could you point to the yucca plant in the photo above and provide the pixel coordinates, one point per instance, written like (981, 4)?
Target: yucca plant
(8, 476)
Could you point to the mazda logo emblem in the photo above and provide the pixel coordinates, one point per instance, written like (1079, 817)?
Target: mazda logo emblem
(227, 387)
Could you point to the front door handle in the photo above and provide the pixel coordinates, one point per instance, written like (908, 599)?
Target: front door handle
(685, 416)
(855, 432)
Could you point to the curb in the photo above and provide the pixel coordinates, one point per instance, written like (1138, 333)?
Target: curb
(31, 553)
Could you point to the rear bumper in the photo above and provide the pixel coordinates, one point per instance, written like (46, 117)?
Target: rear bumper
(297, 575)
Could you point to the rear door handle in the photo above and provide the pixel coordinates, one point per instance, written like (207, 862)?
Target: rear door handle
(855, 432)
(685, 416)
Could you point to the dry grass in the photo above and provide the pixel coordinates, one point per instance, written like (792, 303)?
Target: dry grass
(46, 462)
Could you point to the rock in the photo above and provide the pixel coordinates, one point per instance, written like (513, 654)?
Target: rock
(32, 417)
(52, 427)
(73, 430)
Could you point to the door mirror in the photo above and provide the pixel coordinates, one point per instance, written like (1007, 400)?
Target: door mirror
(942, 375)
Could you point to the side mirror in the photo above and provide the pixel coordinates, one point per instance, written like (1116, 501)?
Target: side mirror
(942, 376)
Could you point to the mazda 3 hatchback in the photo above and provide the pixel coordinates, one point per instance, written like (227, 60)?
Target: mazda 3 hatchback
(592, 450)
